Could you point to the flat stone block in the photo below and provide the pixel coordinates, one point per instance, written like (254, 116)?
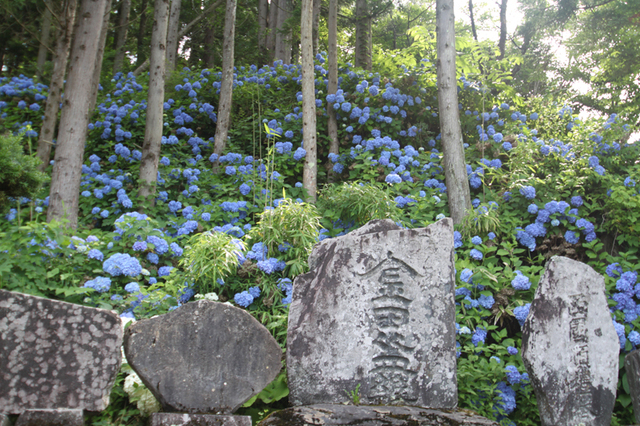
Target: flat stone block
(340, 415)
(177, 419)
(376, 313)
(55, 354)
(51, 417)
(570, 347)
(204, 357)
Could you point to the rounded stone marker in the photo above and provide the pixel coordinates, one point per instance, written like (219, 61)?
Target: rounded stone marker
(570, 347)
(204, 357)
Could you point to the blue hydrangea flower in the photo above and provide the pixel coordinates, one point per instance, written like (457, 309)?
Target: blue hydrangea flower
(160, 245)
(122, 264)
(132, 287)
(99, 284)
(491, 235)
(164, 271)
(576, 201)
(176, 249)
(486, 301)
(528, 192)
(521, 282)
(476, 240)
(521, 313)
(634, 337)
(614, 270)
(466, 275)
(513, 375)
(512, 350)
(571, 237)
(479, 336)
(476, 254)
(243, 299)
(95, 254)
(506, 402)
(254, 292)
(139, 246)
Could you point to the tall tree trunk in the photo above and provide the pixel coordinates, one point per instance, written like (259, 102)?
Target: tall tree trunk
(310, 171)
(263, 19)
(121, 34)
(473, 21)
(273, 28)
(172, 35)
(209, 40)
(453, 152)
(283, 38)
(503, 28)
(332, 124)
(317, 4)
(66, 20)
(97, 71)
(44, 40)
(226, 83)
(142, 32)
(363, 35)
(67, 169)
(155, 100)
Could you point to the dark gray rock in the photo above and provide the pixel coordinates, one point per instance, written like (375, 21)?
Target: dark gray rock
(341, 415)
(55, 354)
(177, 419)
(204, 357)
(51, 417)
(570, 347)
(632, 367)
(376, 311)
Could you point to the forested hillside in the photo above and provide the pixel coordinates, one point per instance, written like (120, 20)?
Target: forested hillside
(154, 153)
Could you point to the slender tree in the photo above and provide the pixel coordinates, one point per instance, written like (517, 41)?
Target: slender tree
(453, 152)
(226, 83)
(121, 34)
(363, 35)
(44, 39)
(283, 34)
(172, 35)
(65, 19)
(65, 180)
(141, 56)
(263, 22)
(273, 28)
(155, 100)
(310, 171)
(503, 28)
(97, 70)
(332, 124)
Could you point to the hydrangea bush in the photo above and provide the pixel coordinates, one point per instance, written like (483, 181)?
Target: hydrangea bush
(543, 183)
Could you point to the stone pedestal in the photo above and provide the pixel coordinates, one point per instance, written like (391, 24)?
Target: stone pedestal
(51, 417)
(177, 419)
(632, 367)
(339, 415)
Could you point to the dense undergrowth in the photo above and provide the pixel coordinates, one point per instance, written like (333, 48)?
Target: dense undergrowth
(543, 183)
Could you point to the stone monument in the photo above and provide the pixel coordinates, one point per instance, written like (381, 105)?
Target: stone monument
(375, 316)
(570, 347)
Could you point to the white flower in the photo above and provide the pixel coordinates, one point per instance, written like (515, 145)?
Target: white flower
(146, 402)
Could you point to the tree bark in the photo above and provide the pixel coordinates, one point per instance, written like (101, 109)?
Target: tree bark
(66, 20)
(332, 124)
(44, 40)
(142, 32)
(310, 171)
(226, 83)
(363, 35)
(283, 38)
(121, 34)
(263, 19)
(503, 28)
(67, 170)
(473, 21)
(155, 100)
(172, 35)
(209, 40)
(317, 5)
(453, 152)
(273, 28)
(97, 71)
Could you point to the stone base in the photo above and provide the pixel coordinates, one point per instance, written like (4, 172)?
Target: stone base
(177, 419)
(333, 414)
(51, 417)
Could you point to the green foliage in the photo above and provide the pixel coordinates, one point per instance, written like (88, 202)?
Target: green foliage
(354, 395)
(210, 256)
(19, 174)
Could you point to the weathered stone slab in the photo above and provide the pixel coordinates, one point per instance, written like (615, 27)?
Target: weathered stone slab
(339, 415)
(55, 354)
(51, 417)
(570, 347)
(4, 420)
(632, 367)
(204, 357)
(177, 419)
(377, 313)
